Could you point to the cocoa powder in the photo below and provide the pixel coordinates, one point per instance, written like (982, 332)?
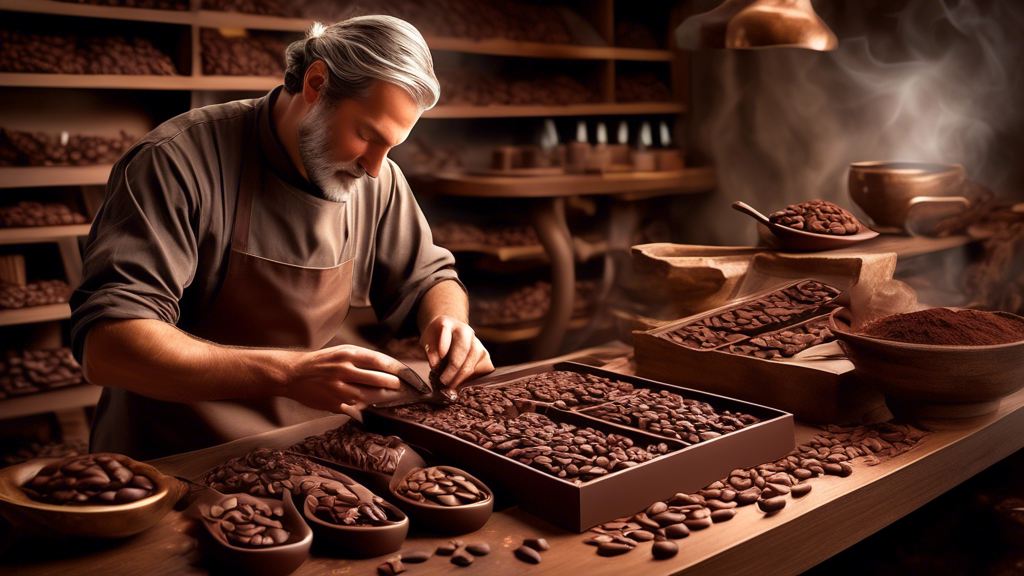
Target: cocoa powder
(948, 327)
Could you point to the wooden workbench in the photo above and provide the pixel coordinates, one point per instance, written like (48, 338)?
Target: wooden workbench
(836, 514)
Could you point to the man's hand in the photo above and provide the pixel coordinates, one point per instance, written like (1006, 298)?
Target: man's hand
(326, 379)
(448, 337)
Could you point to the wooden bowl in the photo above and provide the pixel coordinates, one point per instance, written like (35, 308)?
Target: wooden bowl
(268, 561)
(447, 519)
(932, 381)
(85, 521)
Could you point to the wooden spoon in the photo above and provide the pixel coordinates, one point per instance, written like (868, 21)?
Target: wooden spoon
(787, 238)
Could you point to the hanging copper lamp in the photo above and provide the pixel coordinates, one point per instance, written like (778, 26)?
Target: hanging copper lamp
(754, 24)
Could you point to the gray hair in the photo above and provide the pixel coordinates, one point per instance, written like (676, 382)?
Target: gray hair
(361, 50)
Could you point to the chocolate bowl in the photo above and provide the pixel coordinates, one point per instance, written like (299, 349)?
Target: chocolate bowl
(85, 520)
(355, 541)
(448, 519)
(932, 381)
(267, 561)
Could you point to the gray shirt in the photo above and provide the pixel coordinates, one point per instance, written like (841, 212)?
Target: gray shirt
(159, 244)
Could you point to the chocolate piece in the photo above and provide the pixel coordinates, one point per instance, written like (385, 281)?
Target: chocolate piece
(677, 531)
(664, 549)
(448, 548)
(772, 505)
(391, 567)
(527, 554)
(461, 557)
(539, 544)
(478, 549)
(722, 515)
(264, 472)
(641, 535)
(613, 548)
(801, 490)
(416, 556)
(353, 446)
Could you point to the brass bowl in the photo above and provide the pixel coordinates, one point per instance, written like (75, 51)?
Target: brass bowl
(447, 519)
(933, 381)
(887, 191)
(85, 521)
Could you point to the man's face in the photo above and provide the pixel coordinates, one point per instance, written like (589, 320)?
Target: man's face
(344, 141)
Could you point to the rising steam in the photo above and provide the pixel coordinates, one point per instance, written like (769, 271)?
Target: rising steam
(919, 80)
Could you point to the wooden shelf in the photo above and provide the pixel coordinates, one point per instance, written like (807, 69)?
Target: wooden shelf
(37, 176)
(77, 396)
(218, 19)
(32, 314)
(96, 81)
(905, 246)
(629, 184)
(107, 12)
(583, 248)
(506, 335)
(607, 109)
(37, 234)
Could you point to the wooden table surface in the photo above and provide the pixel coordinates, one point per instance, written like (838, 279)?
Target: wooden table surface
(836, 514)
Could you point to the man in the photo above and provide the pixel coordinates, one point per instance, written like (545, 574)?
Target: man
(233, 237)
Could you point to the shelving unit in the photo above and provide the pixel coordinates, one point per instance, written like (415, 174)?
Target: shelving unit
(33, 314)
(35, 234)
(187, 25)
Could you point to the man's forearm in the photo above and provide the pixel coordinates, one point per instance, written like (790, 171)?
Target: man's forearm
(155, 359)
(444, 298)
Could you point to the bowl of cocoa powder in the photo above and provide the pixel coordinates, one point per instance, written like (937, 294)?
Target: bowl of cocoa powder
(939, 362)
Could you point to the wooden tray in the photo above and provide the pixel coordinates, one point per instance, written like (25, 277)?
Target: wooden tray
(816, 385)
(577, 507)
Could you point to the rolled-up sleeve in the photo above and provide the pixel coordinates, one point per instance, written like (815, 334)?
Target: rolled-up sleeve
(407, 263)
(142, 251)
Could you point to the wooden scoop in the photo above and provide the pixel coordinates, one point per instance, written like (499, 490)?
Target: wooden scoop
(786, 238)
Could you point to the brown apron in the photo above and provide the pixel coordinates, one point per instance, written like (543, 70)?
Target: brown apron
(261, 303)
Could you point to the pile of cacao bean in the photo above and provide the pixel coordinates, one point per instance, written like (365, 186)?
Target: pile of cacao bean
(529, 303)
(258, 55)
(817, 216)
(27, 214)
(645, 87)
(19, 148)
(449, 233)
(438, 486)
(26, 371)
(71, 54)
(98, 479)
(264, 472)
(668, 414)
(785, 343)
(752, 317)
(34, 294)
(151, 4)
(768, 485)
(249, 524)
(464, 87)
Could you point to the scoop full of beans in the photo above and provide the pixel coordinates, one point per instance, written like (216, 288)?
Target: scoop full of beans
(437, 486)
(89, 479)
(343, 502)
(817, 216)
(248, 524)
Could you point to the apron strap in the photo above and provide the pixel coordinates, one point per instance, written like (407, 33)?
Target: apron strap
(252, 170)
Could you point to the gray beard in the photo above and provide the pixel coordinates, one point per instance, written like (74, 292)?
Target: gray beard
(337, 181)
